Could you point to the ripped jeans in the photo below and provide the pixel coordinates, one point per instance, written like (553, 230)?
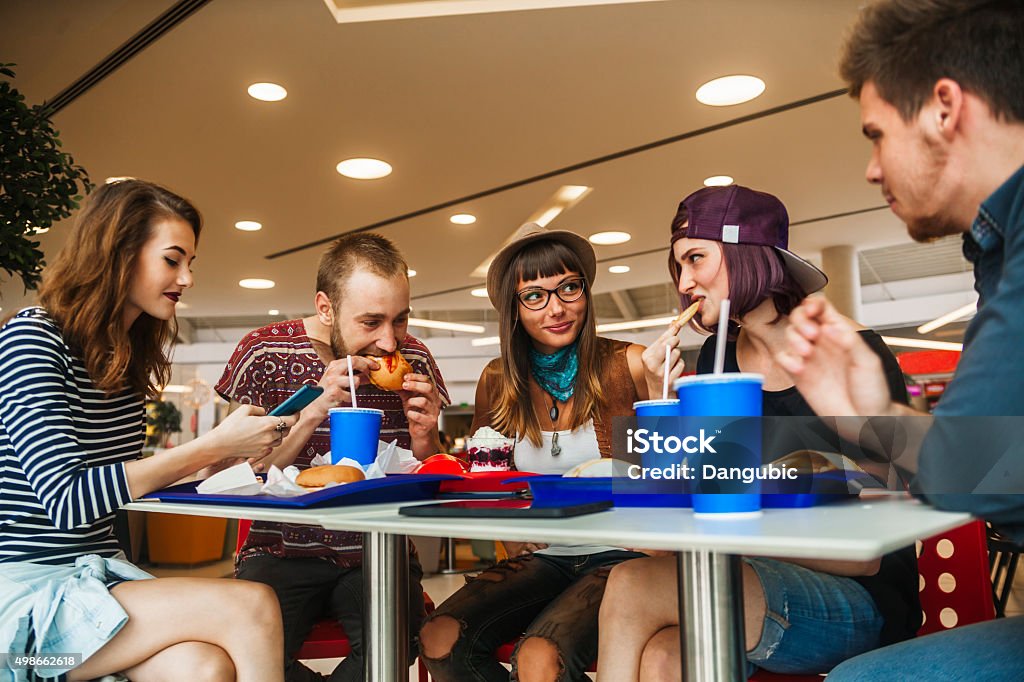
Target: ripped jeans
(556, 598)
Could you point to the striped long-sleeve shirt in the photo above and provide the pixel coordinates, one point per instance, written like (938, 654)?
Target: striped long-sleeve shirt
(63, 445)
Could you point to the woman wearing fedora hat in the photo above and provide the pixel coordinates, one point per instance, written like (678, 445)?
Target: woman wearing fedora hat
(801, 616)
(554, 389)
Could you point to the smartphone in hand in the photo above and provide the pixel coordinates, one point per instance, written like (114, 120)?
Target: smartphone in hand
(296, 401)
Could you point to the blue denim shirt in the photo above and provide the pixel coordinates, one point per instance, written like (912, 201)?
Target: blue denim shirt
(49, 610)
(989, 380)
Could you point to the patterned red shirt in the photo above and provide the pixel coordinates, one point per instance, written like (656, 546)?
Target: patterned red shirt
(269, 365)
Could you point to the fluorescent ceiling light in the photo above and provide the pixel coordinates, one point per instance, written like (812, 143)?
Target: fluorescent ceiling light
(901, 342)
(486, 341)
(718, 181)
(364, 169)
(463, 219)
(412, 273)
(37, 230)
(256, 283)
(117, 178)
(562, 200)
(267, 92)
(547, 216)
(273, 311)
(572, 192)
(618, 269)
(730, 90)
(173, 388)
(479, 293)
(635, 324)
(347, 11)
(448, 326)
(611, 237)
(248, 225)
(952, 316)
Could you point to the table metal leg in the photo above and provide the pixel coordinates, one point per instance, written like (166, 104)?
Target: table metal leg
(386, 607)
(711, 617)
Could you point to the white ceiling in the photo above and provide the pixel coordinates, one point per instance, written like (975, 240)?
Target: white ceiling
(458, 105)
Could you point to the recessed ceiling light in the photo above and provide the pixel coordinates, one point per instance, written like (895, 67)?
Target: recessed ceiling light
(412, 273)
(273, 311)
(256, 283)
(117, 178)
(364, 169)
(463, 219)
(618, 269)
(479, 293)
(729, 90)
(612, 237)
(718, 181)
(267, 92)
(248, 225)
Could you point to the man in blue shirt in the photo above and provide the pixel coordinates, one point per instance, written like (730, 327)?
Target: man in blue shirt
(942, 101)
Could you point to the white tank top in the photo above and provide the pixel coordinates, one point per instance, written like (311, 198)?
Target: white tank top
(577, 447)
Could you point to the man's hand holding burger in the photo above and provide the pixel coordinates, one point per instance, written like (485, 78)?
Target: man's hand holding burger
(422, 405)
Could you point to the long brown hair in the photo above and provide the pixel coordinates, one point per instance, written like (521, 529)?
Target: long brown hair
(86, 288)
(513, 413)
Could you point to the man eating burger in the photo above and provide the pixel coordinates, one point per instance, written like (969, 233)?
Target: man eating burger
(361, 310)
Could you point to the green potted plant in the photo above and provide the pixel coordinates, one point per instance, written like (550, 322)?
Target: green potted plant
(162, 419)
(39, 183)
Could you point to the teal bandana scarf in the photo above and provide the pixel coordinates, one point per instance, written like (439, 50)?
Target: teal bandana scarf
(556, 373)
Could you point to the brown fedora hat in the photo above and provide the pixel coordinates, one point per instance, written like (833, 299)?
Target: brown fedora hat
(527, 234)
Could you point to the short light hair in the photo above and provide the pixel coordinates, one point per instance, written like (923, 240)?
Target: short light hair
(365, 250)
(904, 46)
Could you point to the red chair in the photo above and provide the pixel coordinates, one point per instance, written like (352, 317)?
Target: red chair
(955, 589)
(327, 639)
(955, 586)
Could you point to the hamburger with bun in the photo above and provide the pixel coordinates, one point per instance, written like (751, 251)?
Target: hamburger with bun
(391, 371)
(318, 477)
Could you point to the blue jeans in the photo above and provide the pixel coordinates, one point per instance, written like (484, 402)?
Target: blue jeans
(985, 652)
(813, 620)
(553, 597)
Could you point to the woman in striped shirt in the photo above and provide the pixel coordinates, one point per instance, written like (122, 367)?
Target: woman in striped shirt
(73, 376)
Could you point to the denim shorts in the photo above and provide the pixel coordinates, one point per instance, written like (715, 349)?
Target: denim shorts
(813, 620)
(49, 610)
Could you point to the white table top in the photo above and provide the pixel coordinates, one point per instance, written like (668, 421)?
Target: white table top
(310, 517)
(856, 530)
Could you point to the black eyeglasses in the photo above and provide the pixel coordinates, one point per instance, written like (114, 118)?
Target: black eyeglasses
(536, 298)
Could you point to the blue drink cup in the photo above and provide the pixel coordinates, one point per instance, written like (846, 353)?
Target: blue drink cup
(354, 434)
(725, 483)
(661, 416)
(657, 408)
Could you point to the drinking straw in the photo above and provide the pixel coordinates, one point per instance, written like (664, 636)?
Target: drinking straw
(664, 385)
(723, 332)
(351, 382)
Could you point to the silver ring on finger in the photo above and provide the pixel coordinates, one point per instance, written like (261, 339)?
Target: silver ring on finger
(280, 426)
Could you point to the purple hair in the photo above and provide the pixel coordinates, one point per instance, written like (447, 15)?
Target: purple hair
(755, 273)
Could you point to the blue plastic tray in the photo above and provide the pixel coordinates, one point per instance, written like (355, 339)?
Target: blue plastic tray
(554, 489)
(394, 488)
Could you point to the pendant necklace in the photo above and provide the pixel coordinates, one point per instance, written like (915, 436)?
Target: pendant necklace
(556, 449)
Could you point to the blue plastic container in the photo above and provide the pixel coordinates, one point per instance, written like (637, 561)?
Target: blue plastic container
(712, 403)
(354, 434)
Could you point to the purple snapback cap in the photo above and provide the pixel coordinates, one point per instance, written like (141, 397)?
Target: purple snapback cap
(740, 215)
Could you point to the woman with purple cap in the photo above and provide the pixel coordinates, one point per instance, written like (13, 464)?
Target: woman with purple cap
(801, 616)
(554, 390)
